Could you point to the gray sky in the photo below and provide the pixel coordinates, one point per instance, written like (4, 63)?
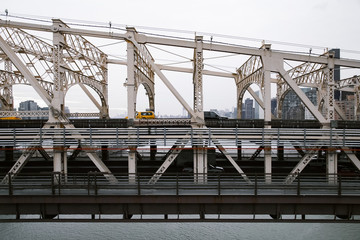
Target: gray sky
(311, 23)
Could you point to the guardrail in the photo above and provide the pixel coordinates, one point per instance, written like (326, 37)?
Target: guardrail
(43, 114)
(94, 183)
(114, 137)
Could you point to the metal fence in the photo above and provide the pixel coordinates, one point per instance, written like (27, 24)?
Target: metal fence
(95, 183)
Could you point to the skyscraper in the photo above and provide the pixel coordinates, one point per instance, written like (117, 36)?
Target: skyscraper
(28, 105)
(248, 111)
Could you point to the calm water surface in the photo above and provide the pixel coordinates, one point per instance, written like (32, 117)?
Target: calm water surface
(278, 231)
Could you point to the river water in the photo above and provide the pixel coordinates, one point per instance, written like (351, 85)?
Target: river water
(159, 231)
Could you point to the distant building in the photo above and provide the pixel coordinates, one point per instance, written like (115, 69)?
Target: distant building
(28, 105)
(248, 111)
(257, 107)
(274, 106)
(348, 108)
(294, 109)
(234, 113)
(31, 105)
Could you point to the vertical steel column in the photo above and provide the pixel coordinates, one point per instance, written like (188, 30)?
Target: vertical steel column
(331, 165)
(104, 112)
(60, 163)
(131, 83)
(330, 101)
(131, 98)
(8, 91)
(198, 82)
(132, 169)
(200, 164)
(57, 103)
(278, 113)
(331, 156)
(267, 108)
(200, 150)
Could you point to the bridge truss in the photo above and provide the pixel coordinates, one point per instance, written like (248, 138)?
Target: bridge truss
(51, 68)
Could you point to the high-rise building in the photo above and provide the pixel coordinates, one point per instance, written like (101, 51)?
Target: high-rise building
(257, 107)
(248, 111)
(273, 106)
(31, 105)
(28, 105)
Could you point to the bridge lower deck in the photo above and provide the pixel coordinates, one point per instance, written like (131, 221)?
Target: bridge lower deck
(178, 198)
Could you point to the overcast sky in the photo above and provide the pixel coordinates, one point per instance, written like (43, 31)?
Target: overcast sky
(311, 23)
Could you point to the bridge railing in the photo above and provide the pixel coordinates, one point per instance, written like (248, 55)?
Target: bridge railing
(142, 137)
(94, 183)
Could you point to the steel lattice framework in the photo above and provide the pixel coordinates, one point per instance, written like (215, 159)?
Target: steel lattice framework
(70, 59)
(85, 64)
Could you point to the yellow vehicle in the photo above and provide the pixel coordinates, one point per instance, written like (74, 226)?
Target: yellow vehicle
(145, 115)
(10, 118)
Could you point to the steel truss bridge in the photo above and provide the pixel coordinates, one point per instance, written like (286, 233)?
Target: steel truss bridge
(52, 67)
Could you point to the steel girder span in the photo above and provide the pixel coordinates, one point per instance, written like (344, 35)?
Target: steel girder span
(71, 53)
(177, 139)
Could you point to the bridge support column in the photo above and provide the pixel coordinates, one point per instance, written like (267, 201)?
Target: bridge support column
(132, 170)
(131, 83)
(267, 164)
(200, 164)
(60, 163)
(331, 166)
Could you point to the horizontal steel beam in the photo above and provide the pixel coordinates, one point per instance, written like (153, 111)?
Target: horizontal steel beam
(144, 39)
(276, 206)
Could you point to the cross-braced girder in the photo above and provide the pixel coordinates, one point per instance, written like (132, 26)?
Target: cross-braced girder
(17, 78)
(251, 72)
(82, 60)
(140, 72)
(198, 80)
(84, 64)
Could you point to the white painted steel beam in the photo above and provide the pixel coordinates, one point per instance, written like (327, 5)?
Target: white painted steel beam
(19, 164)
(231, 160)
(174, 152)
(25, 72)
(130, 80)
(301, 165)
(100, 165)
(331, 165)
(143, 39)
(180, 69)
(198, 82)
